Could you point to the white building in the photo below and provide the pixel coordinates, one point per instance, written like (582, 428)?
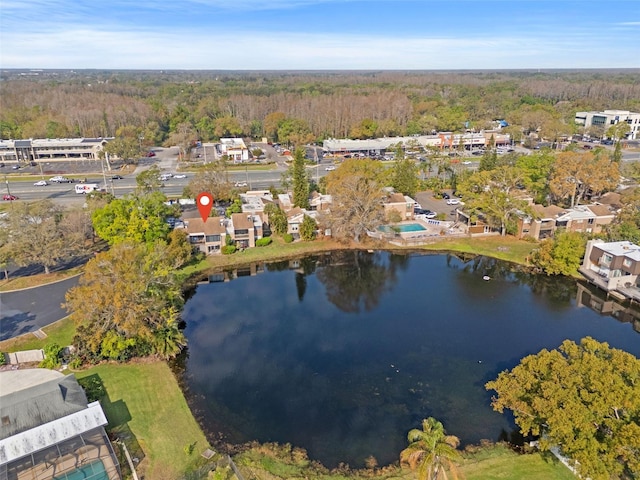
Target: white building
(51, 149)
(235, 149)
(611, 117)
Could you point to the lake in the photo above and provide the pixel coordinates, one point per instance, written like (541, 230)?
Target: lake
(342, 354)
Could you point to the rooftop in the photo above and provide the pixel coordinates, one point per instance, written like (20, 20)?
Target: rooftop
(619, 249)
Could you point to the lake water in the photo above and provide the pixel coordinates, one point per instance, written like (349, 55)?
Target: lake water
(342, 354)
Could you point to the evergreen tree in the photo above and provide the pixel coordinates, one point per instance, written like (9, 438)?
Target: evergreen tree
(300, 180)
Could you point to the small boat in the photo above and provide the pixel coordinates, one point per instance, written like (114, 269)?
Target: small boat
(486, 278)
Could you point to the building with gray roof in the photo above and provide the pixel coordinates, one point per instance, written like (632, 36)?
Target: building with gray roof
(48, 430)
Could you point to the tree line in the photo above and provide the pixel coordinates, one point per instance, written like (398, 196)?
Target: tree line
(293, 108)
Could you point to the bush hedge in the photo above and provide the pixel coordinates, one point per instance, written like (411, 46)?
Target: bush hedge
(263, 242)
(228, 249)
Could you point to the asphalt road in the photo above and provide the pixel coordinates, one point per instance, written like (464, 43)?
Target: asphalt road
(28, 310)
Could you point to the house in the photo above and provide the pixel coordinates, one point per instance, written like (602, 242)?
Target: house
(319, 202)
(582, 218)
(254, 201)
(543, 226)
(613, 266)
(399, 203)
(49, 430)
(285, 201)
(209, 236)
(295, 217)
(245, 229)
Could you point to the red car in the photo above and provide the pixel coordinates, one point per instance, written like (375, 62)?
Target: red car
(151, 154)
(9, 197)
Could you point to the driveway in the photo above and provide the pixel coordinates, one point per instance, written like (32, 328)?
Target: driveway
(25, 311)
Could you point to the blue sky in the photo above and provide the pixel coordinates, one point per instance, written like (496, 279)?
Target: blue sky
(319, 34)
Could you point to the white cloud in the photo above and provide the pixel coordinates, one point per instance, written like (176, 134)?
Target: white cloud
(153, 49)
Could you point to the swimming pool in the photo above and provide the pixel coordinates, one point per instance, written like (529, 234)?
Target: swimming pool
(404, 228)
(92, 471)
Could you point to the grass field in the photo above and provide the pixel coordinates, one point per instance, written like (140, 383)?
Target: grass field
(145, 399)
(18, 283)
(492, 462)
(500, 463)
(61, 332)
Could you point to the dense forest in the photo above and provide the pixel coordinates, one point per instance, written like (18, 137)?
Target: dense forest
(301, 106)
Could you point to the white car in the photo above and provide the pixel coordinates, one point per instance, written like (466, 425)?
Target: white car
(59, 179)
(179, 175)
(240, 184)
(40, 183)
(453, 201)
(330, 168)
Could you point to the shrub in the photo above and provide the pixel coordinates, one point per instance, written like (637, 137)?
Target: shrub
(93, 387)
(3, 358)
(52, 353)
(263, 242)
(287, 237)
(228, 249)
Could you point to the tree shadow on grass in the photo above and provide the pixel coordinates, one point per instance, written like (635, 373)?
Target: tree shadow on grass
(118, 416)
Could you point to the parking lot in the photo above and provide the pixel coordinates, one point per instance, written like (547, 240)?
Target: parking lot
(428, 202)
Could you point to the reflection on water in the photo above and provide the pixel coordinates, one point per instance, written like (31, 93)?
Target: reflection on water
(343, 353)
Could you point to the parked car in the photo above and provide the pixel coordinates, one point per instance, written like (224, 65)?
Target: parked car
(453, 201)
(445, 195)
(9, 197)
(240, 184)
(330, 168)
(40, 183)
(151, 153)
(117, 177)
(180, 175)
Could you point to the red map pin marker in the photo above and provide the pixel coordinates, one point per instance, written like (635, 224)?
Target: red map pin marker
(204, 201)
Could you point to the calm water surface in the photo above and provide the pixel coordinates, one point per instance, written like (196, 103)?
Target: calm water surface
(343, 354)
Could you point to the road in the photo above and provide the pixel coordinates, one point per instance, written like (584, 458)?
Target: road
(28, 310)
(167, 161)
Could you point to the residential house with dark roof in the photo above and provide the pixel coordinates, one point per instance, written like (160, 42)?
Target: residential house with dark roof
(49, 431)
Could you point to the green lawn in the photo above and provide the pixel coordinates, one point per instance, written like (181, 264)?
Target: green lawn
(500, 463)
(503, 248)
(145, 399)
(61, 332)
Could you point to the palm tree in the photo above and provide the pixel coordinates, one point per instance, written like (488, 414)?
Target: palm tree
(430, 450)
(168, 340)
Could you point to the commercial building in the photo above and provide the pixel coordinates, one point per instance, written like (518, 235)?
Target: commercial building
(51, 149)
(443, 141)
(235, 149)
(609, 118)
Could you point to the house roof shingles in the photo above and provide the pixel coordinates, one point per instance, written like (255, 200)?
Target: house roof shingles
(211, 227)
